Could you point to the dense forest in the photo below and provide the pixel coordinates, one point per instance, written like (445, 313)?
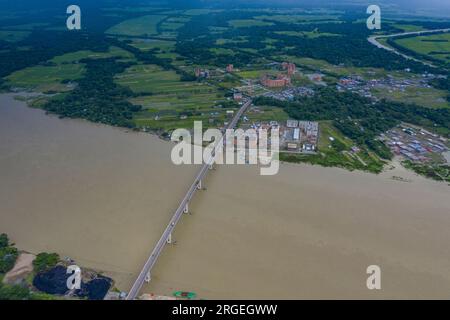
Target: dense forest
(349, 46)
(97, 97)
(42, 47)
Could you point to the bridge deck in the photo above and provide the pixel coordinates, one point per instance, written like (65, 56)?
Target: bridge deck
(151, 261)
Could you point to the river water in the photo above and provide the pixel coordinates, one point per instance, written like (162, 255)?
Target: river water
(103, 196)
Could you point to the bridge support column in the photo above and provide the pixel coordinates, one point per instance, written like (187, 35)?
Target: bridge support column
(148, 277)
(169, 239)
(199, 185)
(186, 209)
(211, 166)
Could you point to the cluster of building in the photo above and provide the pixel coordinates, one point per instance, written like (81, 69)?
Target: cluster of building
(300, 136)
(316, 77)
(206, 73)
(202, 73)
(415, 144)
(291, 93)
(278, 81)
(281, 79)
(289, 67)
(358, 84)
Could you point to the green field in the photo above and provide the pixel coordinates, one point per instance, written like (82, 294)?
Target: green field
(142, 26)
(338, 71)
(297, 18)
(311, 34)
(149, 44)
(266, 114)
(248, 23)
(153, 79)
(46, 78)
(408, 27)
(166, 100)
(425, 97)
(436, 46)
(66, 67)
(13, 36)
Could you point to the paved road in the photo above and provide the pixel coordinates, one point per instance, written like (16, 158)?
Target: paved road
(374, 40)
(151, 261)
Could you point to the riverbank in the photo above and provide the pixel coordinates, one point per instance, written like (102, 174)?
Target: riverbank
(102, 196)
(97, 194)
(310, 233)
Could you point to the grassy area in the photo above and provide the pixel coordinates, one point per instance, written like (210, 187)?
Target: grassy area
(408, 27)
(46, 78)
(243, 23)
(435, 172)
(338, 71)
(13, 36)
(298, 18)
(436, 46)
(306, 34)
(169, 103)
(255, 74)
(146, 25)
(425, 97)
(49, 77)
(268, 113)
(149, 44)
(197, 12)
(153, 79)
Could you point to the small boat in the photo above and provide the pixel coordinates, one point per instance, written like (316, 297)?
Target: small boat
(185, 295)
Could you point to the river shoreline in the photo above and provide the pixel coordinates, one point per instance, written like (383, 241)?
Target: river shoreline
(102, 196)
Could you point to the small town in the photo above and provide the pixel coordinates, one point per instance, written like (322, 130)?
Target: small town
(417, 144)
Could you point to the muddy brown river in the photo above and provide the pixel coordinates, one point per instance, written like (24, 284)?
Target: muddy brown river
(102, 196)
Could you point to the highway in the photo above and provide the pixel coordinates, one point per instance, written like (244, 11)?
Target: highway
(145, 274)
(374, 40)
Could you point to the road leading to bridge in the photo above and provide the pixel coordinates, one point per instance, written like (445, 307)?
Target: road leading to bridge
(145, 274)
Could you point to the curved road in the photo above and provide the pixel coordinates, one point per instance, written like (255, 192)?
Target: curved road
(374, 40)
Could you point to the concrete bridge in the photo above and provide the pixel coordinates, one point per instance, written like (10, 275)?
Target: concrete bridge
(166, 238)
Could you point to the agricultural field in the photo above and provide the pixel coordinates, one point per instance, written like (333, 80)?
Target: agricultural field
(49, 77)
(408, 27)
(244, 23)
(46, 78)
(300, 18)
(436, 46)
(197, 12)
(426, 97)
(13, 36)
(305, 34)
(334, 70)
(266, 114)
(142, 26)
(150, 44)
(169, 103)
(153, 79)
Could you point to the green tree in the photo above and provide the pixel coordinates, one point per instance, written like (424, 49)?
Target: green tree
(8, 292)
(4, 241)
(8, 256)
(45, 261)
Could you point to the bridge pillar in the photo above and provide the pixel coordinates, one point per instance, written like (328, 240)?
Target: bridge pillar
(186, 209)
(199, 185)
(211, 166)
(169, 239)
(148, 277)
